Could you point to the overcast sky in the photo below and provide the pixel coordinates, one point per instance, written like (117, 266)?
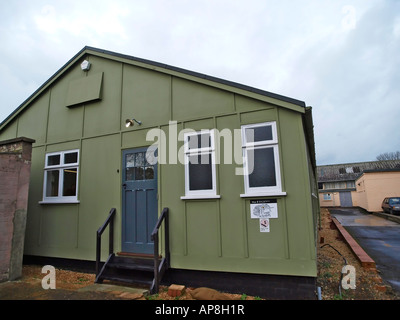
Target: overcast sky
(340, 57)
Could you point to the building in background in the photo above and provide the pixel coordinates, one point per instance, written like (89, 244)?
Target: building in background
(372, 186)
(343, 185)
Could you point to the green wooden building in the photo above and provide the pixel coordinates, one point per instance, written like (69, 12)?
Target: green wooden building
(233, 166)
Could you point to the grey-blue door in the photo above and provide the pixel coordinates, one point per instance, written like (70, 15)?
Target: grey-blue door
(345, 199)
(139, 202)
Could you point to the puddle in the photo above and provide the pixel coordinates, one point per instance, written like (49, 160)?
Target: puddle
(372, 221)
(363, 220)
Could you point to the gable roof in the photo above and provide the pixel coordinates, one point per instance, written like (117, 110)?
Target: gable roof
(252, 92)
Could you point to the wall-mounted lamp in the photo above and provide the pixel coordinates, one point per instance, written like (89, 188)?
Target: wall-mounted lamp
(85, 65)
(131, 122)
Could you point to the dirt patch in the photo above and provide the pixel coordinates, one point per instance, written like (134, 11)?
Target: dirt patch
(369, 284)
(29, 287)
(65, 279)
(68, 283)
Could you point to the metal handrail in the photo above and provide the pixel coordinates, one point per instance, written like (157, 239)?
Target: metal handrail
(154, 237)
(109, 221)
(159, 267)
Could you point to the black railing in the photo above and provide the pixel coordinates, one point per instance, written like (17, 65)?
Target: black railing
(160, 267)
(109, 221)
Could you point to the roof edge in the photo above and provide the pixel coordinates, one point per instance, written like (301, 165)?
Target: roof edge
(354, 163)
(201, 76)
(93, 50)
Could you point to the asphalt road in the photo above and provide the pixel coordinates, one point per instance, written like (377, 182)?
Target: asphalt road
(379, 237)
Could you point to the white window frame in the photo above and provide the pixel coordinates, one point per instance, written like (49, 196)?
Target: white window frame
(264, 144)
(60, 168)
(206, 193)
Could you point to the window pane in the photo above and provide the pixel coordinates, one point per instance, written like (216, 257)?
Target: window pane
(52, 183)
(71, 157)
(130, 160)
(199, 141)
(130, 173)
(351, 184)
(149, 173)
(200, 173)
(69, 183)
(151, 156)
(263, 174)
(340, 185)
(139, 173)
(139, 160)
(53, 160)
(257, 134)
(327, 196)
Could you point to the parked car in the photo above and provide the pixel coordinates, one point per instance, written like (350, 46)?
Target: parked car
(391, 205)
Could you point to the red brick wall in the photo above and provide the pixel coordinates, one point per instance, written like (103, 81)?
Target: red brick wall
(15, 158)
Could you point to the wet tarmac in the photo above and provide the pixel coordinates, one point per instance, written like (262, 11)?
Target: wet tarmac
(379, 237)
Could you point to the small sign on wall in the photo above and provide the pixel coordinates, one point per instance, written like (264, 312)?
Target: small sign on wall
(264, 209)
(264, 225)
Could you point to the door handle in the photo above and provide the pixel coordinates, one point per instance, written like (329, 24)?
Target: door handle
(124, 185)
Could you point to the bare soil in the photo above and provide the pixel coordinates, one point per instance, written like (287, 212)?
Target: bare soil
(68, 283)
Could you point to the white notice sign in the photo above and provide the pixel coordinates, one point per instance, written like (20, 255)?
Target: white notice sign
(264, 209)
(264, 225)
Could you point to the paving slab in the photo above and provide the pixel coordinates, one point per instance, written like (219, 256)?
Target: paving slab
(115, 289)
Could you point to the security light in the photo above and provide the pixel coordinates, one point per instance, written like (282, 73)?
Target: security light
(131, 122)
(85, 65)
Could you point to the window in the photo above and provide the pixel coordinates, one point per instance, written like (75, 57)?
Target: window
(61, 177)
(351, 184)
(339, 185)
(261, 160)
(200, 179)
(349, 170)
(137, 167)
(327, 196)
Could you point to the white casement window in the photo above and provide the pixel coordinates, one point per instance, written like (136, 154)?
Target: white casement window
(61, 177)
(262, 176)
(200, 176)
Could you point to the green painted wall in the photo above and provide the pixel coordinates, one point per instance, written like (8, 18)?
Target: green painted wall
(215, 234)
